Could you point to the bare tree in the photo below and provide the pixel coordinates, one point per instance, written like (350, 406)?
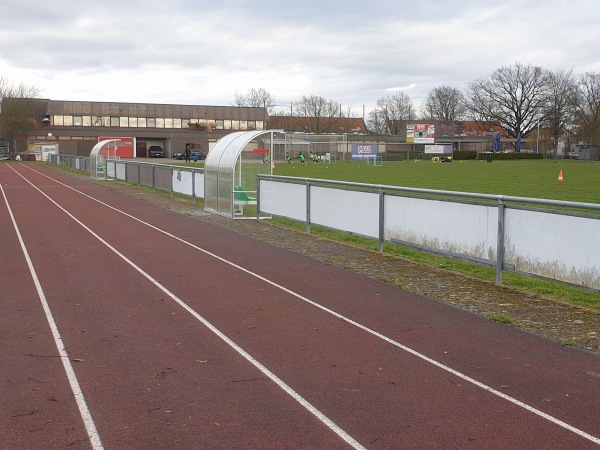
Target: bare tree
(560, 105)
(389, 112)
(444, 103)
(514, 97)
(8, 90)
(317, 114)
(257, 98)
(376, 122)
(17, 109)
(587, 108)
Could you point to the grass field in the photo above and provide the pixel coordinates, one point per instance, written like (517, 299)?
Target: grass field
(537, 179)
(534, 178)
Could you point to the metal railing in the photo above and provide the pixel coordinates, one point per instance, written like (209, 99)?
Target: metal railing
(518, 234)
(174, 179)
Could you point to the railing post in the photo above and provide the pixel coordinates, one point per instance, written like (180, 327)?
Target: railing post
(194, 186)
(308, 206)
(381, 218)
(153, 178)
(500, 242)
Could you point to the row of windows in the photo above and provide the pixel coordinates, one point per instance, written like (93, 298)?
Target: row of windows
(151, 122)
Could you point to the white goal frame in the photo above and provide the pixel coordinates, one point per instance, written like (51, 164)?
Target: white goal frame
(374, 161)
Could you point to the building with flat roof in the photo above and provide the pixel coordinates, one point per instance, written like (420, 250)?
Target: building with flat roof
(78, 125)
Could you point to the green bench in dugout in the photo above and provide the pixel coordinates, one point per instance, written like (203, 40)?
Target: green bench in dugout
(241, 198)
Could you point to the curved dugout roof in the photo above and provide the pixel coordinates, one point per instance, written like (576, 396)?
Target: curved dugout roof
(100, 145)
(220, 167)
(99, 153)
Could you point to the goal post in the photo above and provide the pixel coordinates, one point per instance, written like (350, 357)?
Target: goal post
(374, 161)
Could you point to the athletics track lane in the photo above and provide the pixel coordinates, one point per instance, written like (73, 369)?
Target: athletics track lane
(130, 341)
(379, 394)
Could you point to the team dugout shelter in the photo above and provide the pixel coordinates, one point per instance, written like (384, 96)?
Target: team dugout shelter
(231, 169)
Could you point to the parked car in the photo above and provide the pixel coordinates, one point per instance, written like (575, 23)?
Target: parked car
(200, 153)
(156, 151)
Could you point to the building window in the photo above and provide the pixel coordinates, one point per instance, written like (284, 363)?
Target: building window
(87, 121)
(151, 122)
(57, 120)
(123, 122)
(185, 123)
(169, 123)
(260, 125)
(141, 122)
(106, 121)
(235, 124)
(114, 121)
(243, 124)
(219, 124)
(133, 122)
(77, 121)
(68, 121)
(160, 122)
(227, 124)
(251, 125)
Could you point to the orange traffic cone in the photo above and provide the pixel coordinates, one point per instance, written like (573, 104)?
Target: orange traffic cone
(560, 176)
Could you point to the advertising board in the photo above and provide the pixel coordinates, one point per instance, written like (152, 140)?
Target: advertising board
(438, 149)
(363, 151)
(420, 133)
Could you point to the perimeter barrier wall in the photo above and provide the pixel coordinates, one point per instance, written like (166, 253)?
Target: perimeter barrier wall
(550, 239)
(516, 234)
(174, 179)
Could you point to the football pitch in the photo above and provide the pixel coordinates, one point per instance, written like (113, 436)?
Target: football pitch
(532, 178)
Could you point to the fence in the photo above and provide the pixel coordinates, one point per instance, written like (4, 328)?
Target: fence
(506, 232)
(174, 179)
(514, 234)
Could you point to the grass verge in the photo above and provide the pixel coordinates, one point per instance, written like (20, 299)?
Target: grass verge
(500, 318)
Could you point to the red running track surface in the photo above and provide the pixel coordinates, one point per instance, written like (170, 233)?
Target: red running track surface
(180, 334)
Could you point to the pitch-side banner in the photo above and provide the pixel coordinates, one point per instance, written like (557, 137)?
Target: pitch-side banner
(363, 151)
(420, 133)
(438, 149)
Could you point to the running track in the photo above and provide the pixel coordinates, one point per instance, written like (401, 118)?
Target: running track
(124, 325)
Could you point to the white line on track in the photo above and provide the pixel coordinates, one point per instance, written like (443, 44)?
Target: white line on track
(432, 361)
(278, 381)
(64, 356)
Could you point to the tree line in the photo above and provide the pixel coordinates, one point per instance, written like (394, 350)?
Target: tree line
(520, 98)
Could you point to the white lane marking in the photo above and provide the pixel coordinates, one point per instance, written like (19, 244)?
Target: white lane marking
(64, 357)
(426, 358)
(278, 381)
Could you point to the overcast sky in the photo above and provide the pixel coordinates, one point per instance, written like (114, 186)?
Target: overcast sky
(352, 52)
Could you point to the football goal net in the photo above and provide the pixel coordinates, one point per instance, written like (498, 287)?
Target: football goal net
(374, 161)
